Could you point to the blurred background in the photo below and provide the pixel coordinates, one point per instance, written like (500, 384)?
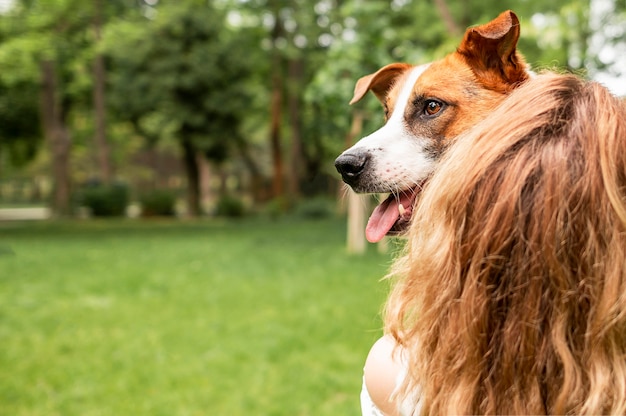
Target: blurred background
(172, 228)
(208, 105)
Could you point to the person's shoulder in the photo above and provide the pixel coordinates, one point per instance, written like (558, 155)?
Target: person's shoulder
(381, 373)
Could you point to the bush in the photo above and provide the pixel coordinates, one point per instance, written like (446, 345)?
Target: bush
(316, 208)
(277, 207)
(158, 203)
(105, 200)
(230, 206)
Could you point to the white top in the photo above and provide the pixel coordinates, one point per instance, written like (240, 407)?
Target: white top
(368, 408)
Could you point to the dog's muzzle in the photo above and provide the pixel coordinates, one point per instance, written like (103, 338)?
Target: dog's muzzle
(351, 166)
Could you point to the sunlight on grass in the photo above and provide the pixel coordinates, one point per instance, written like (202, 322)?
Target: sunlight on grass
(184, 318)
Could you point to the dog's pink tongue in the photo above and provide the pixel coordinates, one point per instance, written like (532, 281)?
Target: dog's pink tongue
(387, 214)
(382, 219)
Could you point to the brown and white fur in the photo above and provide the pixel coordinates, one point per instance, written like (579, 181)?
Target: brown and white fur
(426, 108)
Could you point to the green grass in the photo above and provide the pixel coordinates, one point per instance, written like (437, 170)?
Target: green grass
(184, 318)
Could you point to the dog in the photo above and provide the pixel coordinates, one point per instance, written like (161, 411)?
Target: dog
(426, 107)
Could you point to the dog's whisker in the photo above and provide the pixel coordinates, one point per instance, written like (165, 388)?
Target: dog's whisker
(345, 192)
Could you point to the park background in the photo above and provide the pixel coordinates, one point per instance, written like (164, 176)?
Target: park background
(189, 254)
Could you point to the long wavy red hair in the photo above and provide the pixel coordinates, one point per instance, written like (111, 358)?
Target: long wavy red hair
(510, 296)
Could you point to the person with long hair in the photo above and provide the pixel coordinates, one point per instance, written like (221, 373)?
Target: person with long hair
(510, 294)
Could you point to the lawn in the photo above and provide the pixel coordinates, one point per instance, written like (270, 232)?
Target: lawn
(184, 318)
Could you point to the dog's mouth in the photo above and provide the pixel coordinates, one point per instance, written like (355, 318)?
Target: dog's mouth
(393, 215)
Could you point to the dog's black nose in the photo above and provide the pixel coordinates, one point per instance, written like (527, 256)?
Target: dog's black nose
(351, 166)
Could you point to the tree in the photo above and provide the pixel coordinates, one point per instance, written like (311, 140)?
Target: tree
(39, 36)
(47, 46)
(184, 73)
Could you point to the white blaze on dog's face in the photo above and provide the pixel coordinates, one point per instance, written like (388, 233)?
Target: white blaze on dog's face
(426, 107)
(399, 158)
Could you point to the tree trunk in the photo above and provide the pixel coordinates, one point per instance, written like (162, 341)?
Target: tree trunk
(57, 136)
(205, 173)
(357, 204)
(192, 172)
(99, 75)
(257, 185)
(295, 81)
(276, 109)
(275, 138)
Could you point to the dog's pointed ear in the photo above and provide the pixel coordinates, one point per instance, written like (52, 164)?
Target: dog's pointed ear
(491, 50)
(379, 82)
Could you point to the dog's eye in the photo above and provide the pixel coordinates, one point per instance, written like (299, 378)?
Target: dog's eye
(432, 107)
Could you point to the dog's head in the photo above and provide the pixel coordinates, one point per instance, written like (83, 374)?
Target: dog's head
(426, 107)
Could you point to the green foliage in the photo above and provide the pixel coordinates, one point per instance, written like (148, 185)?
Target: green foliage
(158, 203)
(19, 58)
(200, 318)
(20, 135)
(105, 200)
(230, 206)
(59, 31)
(183, 70)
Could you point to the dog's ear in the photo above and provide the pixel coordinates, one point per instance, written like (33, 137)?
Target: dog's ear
(490, 50)
(379, 82)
